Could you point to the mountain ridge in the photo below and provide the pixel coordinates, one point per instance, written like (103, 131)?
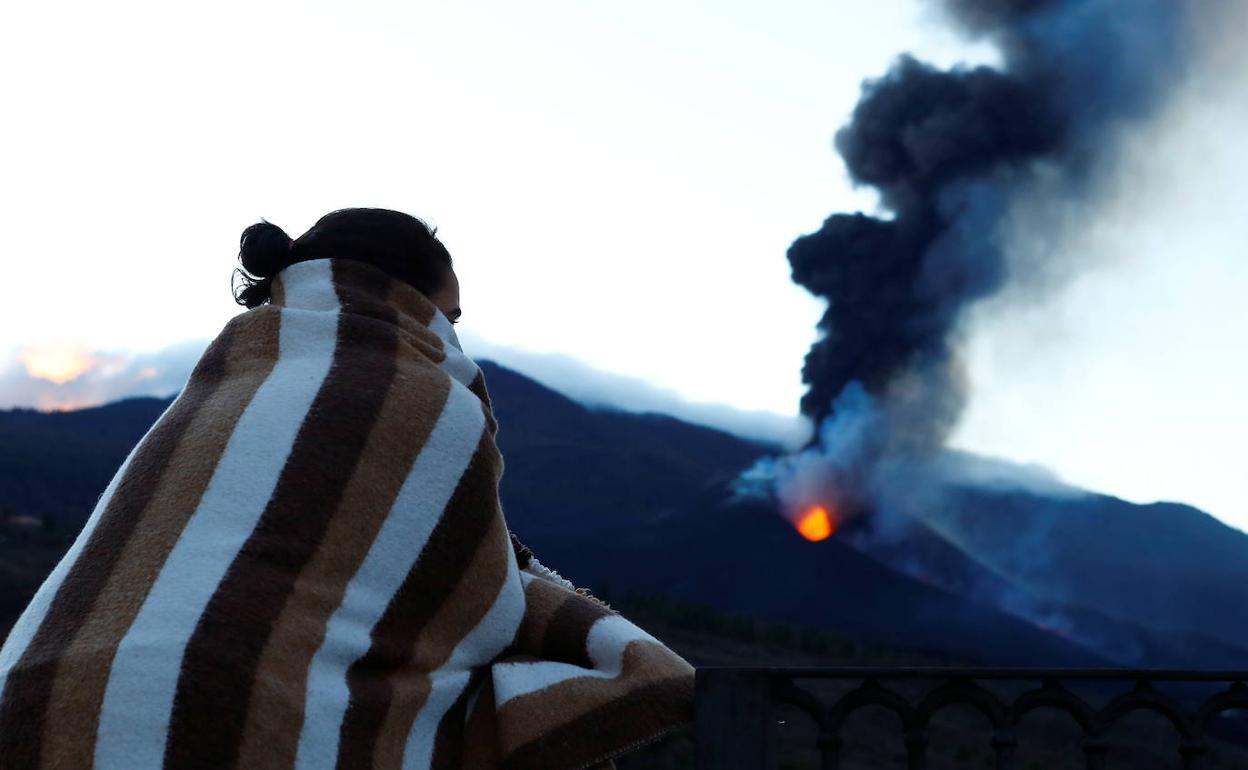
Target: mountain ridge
(622, 501)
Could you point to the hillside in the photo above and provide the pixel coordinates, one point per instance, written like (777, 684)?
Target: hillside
(638, 508)
(1143, 562)
(619, 501)
(55, 464)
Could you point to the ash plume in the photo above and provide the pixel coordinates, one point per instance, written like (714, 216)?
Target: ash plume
(940, 147)
(952, 153)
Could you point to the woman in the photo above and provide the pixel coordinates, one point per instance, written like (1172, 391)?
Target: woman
(304, 562)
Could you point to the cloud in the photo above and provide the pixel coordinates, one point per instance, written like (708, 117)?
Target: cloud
(598, 388)
(61, 376)
(68, 376)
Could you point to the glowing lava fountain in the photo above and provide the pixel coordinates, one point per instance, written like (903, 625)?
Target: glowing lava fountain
(816, 523)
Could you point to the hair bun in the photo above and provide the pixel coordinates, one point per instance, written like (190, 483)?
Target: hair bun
(264, 249)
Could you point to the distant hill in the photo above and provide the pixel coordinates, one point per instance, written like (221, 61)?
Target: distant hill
(558, 454)
(625, 502)
(570, 468)
(56, 464)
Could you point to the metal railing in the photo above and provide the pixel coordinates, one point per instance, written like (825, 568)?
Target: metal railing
(737, 707)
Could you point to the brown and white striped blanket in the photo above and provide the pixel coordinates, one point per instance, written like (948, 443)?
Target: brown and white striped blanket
(304, 564)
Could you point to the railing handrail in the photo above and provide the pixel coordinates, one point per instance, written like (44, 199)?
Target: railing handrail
(986, 672)
(736, 707)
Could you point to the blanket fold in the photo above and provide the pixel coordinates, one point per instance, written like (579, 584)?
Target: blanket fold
(304, 563)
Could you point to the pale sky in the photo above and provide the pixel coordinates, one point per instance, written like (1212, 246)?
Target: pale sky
(618, 184)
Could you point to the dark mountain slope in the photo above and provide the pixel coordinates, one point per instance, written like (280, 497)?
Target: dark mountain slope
(55, 465)
(570, 468)
(639, 502)
(1165, 565)
(743, 557)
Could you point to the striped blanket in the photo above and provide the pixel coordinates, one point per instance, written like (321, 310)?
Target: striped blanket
(304, 564)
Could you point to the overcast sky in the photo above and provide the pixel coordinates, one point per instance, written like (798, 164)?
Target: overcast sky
(618, 184)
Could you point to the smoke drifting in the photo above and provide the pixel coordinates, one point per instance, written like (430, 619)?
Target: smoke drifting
(952, 153)
(940, 147)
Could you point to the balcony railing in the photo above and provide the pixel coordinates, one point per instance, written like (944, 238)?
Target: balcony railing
(738, 709)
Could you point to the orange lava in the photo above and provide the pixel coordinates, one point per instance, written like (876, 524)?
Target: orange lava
(816, 523)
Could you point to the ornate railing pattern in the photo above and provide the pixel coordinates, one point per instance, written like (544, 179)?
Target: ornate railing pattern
(736, 707)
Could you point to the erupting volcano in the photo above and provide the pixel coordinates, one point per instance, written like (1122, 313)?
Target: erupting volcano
(977, 170)
(966, 162)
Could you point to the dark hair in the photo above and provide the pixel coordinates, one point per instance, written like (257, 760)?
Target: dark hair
(400, 244)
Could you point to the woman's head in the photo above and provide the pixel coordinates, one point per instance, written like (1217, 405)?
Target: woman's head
(400, 244)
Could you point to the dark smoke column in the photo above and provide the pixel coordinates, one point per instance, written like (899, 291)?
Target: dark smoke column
(941, 147)
(948, 151)
(952, 155)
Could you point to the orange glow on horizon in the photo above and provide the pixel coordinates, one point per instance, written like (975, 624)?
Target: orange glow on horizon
(53, 403)
(816, 523)
(57, 364)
